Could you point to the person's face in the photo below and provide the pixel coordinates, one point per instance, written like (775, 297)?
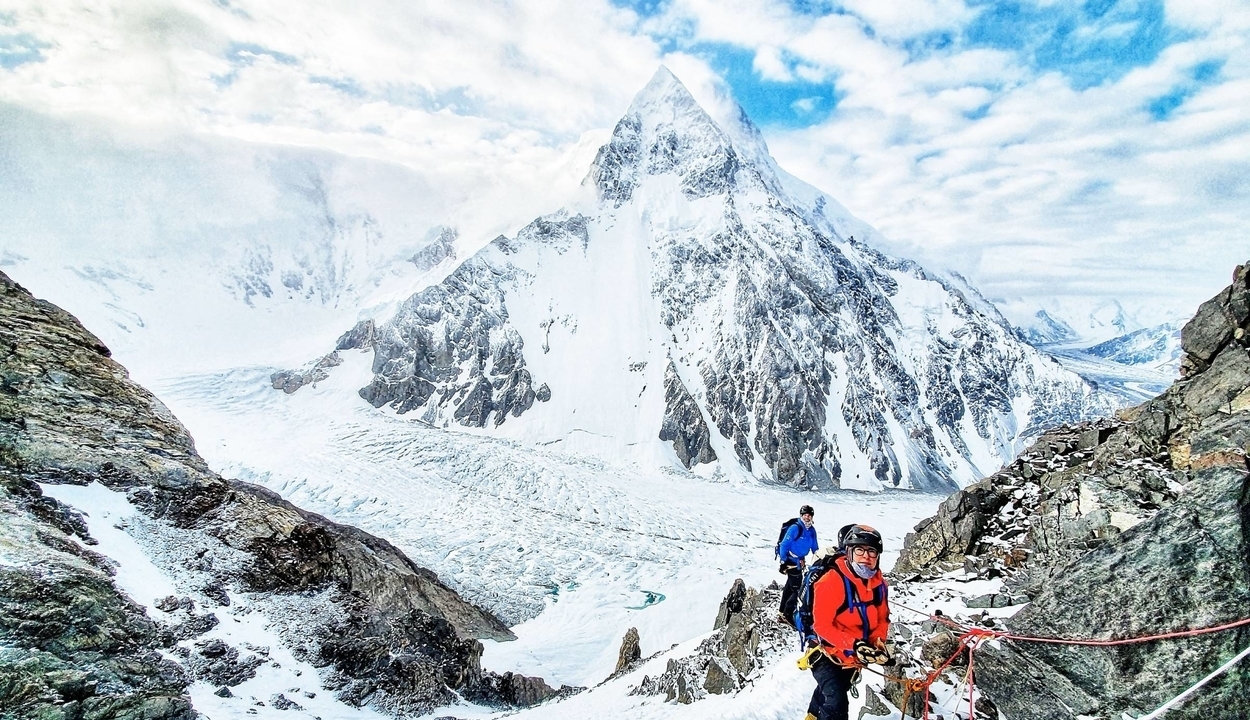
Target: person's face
(807, 519)
(865, 556)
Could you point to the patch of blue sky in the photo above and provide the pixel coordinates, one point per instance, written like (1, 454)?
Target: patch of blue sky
(20, 49)
(1090, 43)
(246, 54)
(644, 8)
(793, 103)
(346, 86)
(457, 100)
(1204, 73)
(978, 112)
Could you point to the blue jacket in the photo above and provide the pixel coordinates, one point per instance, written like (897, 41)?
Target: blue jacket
(798, 542)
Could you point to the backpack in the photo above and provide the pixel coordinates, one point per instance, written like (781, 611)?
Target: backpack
(785, 527)
(803, 610)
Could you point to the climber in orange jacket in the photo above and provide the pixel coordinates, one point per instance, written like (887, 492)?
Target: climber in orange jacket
(846, 617)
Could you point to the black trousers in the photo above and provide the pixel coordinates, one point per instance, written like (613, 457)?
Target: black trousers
(833, 682)
(790, 593)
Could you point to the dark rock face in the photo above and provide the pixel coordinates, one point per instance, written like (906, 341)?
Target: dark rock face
(360, 337)
(68, 640)
(436, 252)
(518, 690)
(1122, 529)
(683, 423)
(396, 637)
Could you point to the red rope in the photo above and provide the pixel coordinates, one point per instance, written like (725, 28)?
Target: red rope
(973, 636)
(1124, 641)
(1128, 641)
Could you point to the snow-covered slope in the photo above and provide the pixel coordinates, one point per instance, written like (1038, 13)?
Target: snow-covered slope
(699, 307)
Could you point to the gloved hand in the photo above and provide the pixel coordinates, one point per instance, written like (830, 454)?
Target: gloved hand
(867, 654)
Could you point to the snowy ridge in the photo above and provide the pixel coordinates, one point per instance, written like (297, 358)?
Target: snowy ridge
(699, 276)
(1158, 347)
(1071, 321)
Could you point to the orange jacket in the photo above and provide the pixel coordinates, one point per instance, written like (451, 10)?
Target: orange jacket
(846, 608)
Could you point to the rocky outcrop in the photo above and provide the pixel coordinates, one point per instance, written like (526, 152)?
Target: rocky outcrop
(1071, 491)
(360, 337)
(288, 381)
(747, 639)
(441, 249)
(630, 652)
(683, 423)
(387, 631)
(450, 353)
(1122, 529)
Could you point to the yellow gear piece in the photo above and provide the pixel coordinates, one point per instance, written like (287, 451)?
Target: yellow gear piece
(809, 657)
(809, 716)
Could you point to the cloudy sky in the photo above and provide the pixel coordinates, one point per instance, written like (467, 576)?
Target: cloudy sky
(1085, 150)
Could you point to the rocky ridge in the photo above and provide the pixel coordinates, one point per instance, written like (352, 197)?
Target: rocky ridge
(1118, 529)
(747, 640)
(385, 632)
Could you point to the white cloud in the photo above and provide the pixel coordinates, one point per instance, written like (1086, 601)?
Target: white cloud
(542, 71)
(968, 158)
(770, 65)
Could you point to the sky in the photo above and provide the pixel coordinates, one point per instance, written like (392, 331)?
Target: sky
(1044, 149)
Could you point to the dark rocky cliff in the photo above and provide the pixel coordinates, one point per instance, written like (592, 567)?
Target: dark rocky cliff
(1118, 529)
(74, 646)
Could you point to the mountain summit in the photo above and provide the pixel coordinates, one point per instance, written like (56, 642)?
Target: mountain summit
(666, 131)
(707, 310)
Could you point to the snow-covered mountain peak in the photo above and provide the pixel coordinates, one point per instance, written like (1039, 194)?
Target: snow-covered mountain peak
(709, 311)
(666, 131)
(665, 95)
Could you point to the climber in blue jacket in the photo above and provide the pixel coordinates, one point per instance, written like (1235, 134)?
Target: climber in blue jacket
(797, 541)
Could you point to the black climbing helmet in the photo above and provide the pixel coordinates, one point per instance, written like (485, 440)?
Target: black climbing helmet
(853, 535)
(806, 510)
